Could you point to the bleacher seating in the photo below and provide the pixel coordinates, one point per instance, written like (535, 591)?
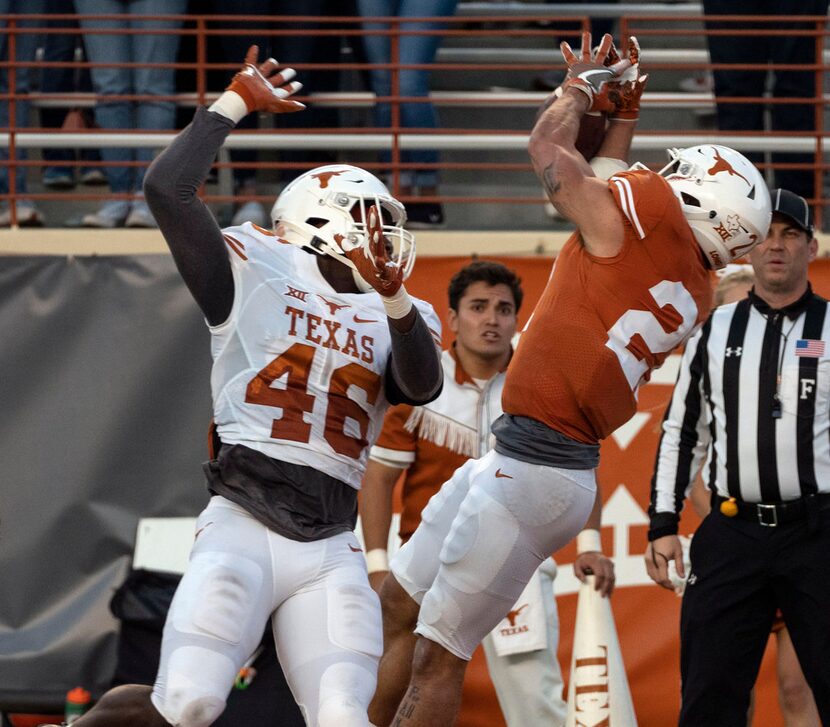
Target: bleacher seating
(487, 179)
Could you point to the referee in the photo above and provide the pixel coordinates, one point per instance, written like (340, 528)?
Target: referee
(755, 384)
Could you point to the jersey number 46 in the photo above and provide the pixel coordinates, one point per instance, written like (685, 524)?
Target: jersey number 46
(295, 401)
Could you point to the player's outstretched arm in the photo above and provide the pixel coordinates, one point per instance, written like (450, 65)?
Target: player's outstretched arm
(172, 182)
(565, 175)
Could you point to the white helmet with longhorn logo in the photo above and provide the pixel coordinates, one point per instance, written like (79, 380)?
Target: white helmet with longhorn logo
(326, 210)
(723, 197)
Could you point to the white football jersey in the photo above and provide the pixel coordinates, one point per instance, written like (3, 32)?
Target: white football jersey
(298, 369)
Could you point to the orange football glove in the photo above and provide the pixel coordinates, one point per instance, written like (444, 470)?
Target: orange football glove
(626, 98)
(625, 92)
(263, 87)
(373, 264)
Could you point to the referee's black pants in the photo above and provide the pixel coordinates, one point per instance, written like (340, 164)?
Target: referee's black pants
(741, 572)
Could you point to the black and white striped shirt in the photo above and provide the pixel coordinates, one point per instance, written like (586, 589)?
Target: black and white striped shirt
(754, 390)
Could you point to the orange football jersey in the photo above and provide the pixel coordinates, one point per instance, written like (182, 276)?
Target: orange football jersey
(602, 324)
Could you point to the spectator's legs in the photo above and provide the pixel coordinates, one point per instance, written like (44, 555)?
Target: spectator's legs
(110, 81)
(413, 49)
(599, 26)
(25, 47)
(421, 49)
(57, 47)
(796, 117)
(377, 51)
(301, 49)
(231, 49)
(744, 49)
(155, 49)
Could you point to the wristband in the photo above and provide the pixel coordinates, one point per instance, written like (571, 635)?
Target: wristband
(230, 105)
(397, 305)
(588, 541)
(377, 560)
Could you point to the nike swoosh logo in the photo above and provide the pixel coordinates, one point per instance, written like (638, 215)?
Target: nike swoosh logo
(355, 550)
(499, 473)
(358, 319)
(604, 75)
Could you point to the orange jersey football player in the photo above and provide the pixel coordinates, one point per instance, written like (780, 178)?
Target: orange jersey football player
(630, 284)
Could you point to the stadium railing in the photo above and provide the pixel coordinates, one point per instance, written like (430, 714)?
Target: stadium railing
(531, 31)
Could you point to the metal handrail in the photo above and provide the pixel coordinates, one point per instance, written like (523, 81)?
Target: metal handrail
(544, 21)
(499, 141)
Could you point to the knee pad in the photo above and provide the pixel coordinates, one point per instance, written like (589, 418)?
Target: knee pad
(181, 708)
(202, 712)
(354, 620)
(194, 686)
(345, 691)
(342, 711)
(482, 536)
(221, 588)
(440, 610)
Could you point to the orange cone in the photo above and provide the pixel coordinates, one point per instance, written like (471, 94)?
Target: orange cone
(598, 692)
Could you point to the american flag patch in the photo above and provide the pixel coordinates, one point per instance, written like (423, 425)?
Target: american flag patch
(809, 347)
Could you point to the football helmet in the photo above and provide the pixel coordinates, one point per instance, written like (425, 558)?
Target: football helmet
(325, 210)
(723, 197)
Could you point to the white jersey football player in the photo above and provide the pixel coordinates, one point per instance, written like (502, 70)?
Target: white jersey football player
(313, 335)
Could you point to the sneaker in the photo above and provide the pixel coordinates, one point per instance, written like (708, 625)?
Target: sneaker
(111, 214)
(27, 215)
(140, 215)
(424, 216)
(699, 83)
(250, 212)
(58, 178)
(93, 177)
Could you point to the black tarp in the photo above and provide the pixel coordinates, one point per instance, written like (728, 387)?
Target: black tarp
(104, 406)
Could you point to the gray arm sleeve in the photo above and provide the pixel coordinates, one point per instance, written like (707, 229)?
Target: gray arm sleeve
(414, 374)
(171, 188)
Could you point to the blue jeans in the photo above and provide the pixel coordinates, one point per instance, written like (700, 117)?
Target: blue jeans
(414, 49)
(123, 81)
(61, 47)
(25, 49)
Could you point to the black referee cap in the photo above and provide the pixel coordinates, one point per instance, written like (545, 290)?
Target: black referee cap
(794, 207)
